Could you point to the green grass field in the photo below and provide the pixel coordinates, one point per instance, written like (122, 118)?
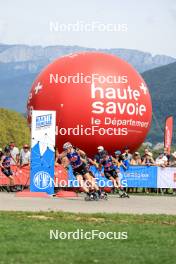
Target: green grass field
(24, 238)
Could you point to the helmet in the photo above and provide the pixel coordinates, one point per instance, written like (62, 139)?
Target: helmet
(100, 148)
(67, 145)
(117, 152)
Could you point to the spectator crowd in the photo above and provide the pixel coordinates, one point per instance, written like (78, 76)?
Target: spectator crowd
(164, 159)
(18, 157)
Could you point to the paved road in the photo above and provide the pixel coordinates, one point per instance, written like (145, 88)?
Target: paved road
(134, 205)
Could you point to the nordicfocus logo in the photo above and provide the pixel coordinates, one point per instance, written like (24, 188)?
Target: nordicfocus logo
(43, 121)
(42, 180)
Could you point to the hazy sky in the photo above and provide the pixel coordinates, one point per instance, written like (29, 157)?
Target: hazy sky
(151, 24)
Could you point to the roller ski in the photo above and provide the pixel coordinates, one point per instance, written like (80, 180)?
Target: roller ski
(103, 196)
(93, 196)
(123, 194)
(13, 189)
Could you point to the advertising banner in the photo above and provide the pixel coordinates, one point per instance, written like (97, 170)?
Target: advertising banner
(168, 133)
(135, 176)
(97, 97)
(42, 151)
(166, 178)
(140, 176)
(21, 176)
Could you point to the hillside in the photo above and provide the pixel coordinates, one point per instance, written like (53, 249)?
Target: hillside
(13, 127)
(19, 66)
(14, 92)
(162, 84)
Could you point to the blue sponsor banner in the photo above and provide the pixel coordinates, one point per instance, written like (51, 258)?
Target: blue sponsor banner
(134, 176)
(101, 180)
(42, 151)
(42, 170)
(140, 176)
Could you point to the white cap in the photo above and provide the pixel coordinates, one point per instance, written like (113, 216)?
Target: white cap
(100, 148)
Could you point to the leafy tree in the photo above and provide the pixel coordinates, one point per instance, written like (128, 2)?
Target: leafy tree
(13, 127)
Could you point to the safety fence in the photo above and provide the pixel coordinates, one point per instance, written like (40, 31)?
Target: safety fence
(22, 176)
(135, 176)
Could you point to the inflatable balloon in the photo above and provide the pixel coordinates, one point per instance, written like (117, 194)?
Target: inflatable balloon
(99, 99)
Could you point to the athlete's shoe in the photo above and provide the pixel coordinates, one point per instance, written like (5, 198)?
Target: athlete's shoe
(103, 196)
(123, 194)
(13, 189)
(89, 197)
(95, 196)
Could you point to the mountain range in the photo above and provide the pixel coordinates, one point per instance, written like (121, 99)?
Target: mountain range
(17, 60)
(20, 64)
